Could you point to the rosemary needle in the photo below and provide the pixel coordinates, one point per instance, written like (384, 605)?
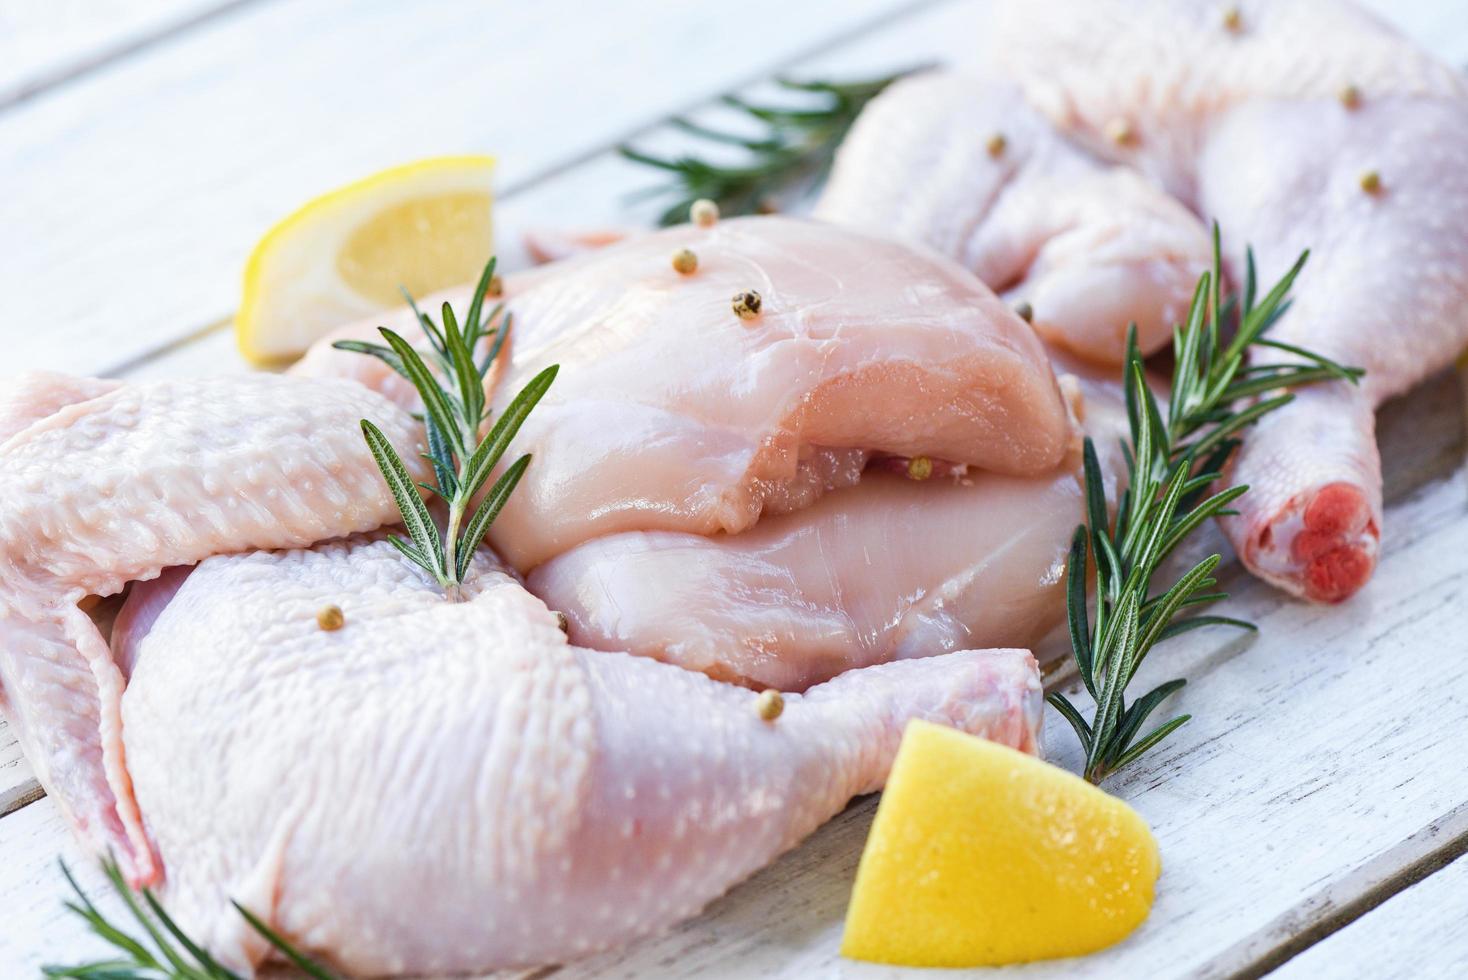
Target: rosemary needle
(1173, 465)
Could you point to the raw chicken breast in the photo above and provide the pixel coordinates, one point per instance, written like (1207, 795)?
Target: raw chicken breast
(1091, 247)
(113, 488)
(447, 787)
(1309, 125)
(888, 569)
(671, 413)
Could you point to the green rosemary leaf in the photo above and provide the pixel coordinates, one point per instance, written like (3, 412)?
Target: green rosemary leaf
(442, 459)
(384, 354)
(405, 494)
(430, 329)
(435, 401)
(466, 374)
(1186, 525)
(1150, 740)
(1068, 711)
(1251, 281)
(304, 963)
(489, 509)
(1075, 601)
(1185, 625)
(1137, 714)
(1108, 708)
(210, 965)
(500, 333)
(414, 555)
(1335, 370)
(473, 326)
(505, 428)
(114, 874)
(1168, 607)
(1240, 420)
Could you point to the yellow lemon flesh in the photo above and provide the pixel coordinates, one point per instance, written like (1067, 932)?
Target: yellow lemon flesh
(981, 856)
(424, 226)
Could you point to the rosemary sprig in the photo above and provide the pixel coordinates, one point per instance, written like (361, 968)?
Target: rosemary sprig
(1173, 465)
(164, 952)
(798, 145)
(454, 413)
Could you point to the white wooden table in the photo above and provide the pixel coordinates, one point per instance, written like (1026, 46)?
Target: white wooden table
(1312, 817)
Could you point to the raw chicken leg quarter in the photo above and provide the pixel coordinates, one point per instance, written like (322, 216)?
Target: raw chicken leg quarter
(450, 787)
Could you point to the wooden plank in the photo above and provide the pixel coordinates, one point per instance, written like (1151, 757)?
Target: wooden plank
(45, 44)
(38, 928)
(1418, 933)
(17, 783)
(139, 189)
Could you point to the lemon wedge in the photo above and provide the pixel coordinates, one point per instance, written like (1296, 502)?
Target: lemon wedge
(982, 856)
(424, 226)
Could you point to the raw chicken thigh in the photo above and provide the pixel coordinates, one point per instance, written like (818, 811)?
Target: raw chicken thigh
(1302, 124)
(445, 787)
(964, 166)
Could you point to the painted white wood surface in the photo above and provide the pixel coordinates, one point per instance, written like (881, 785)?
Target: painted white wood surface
(133, 197)
(1319, 754)
(45, 42)
(1418, 933)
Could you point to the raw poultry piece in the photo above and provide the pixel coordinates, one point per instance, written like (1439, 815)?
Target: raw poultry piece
(1296, 124)
(889, 569)
(673, 413)
(443, 787)
(111, 483)
(963, 165)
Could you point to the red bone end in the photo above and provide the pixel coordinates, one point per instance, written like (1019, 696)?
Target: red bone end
(1336, 550)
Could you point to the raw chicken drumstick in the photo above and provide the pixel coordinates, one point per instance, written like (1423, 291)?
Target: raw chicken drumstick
(1295, 124)
(446, 787)
(964, 166)
(673, 413)
(111, 483)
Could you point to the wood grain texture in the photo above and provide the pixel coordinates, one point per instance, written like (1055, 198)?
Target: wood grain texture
(1419, 933)
(133, 196)
(43, 44)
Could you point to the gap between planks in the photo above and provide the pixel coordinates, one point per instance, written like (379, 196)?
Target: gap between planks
(1346, 900)
(69, 67)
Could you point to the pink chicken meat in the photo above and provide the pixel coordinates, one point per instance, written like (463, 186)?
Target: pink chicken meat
(889, 569)
(111, 483)
(961, 164)
(673, 414)
(1302, 124)
(530, 800)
